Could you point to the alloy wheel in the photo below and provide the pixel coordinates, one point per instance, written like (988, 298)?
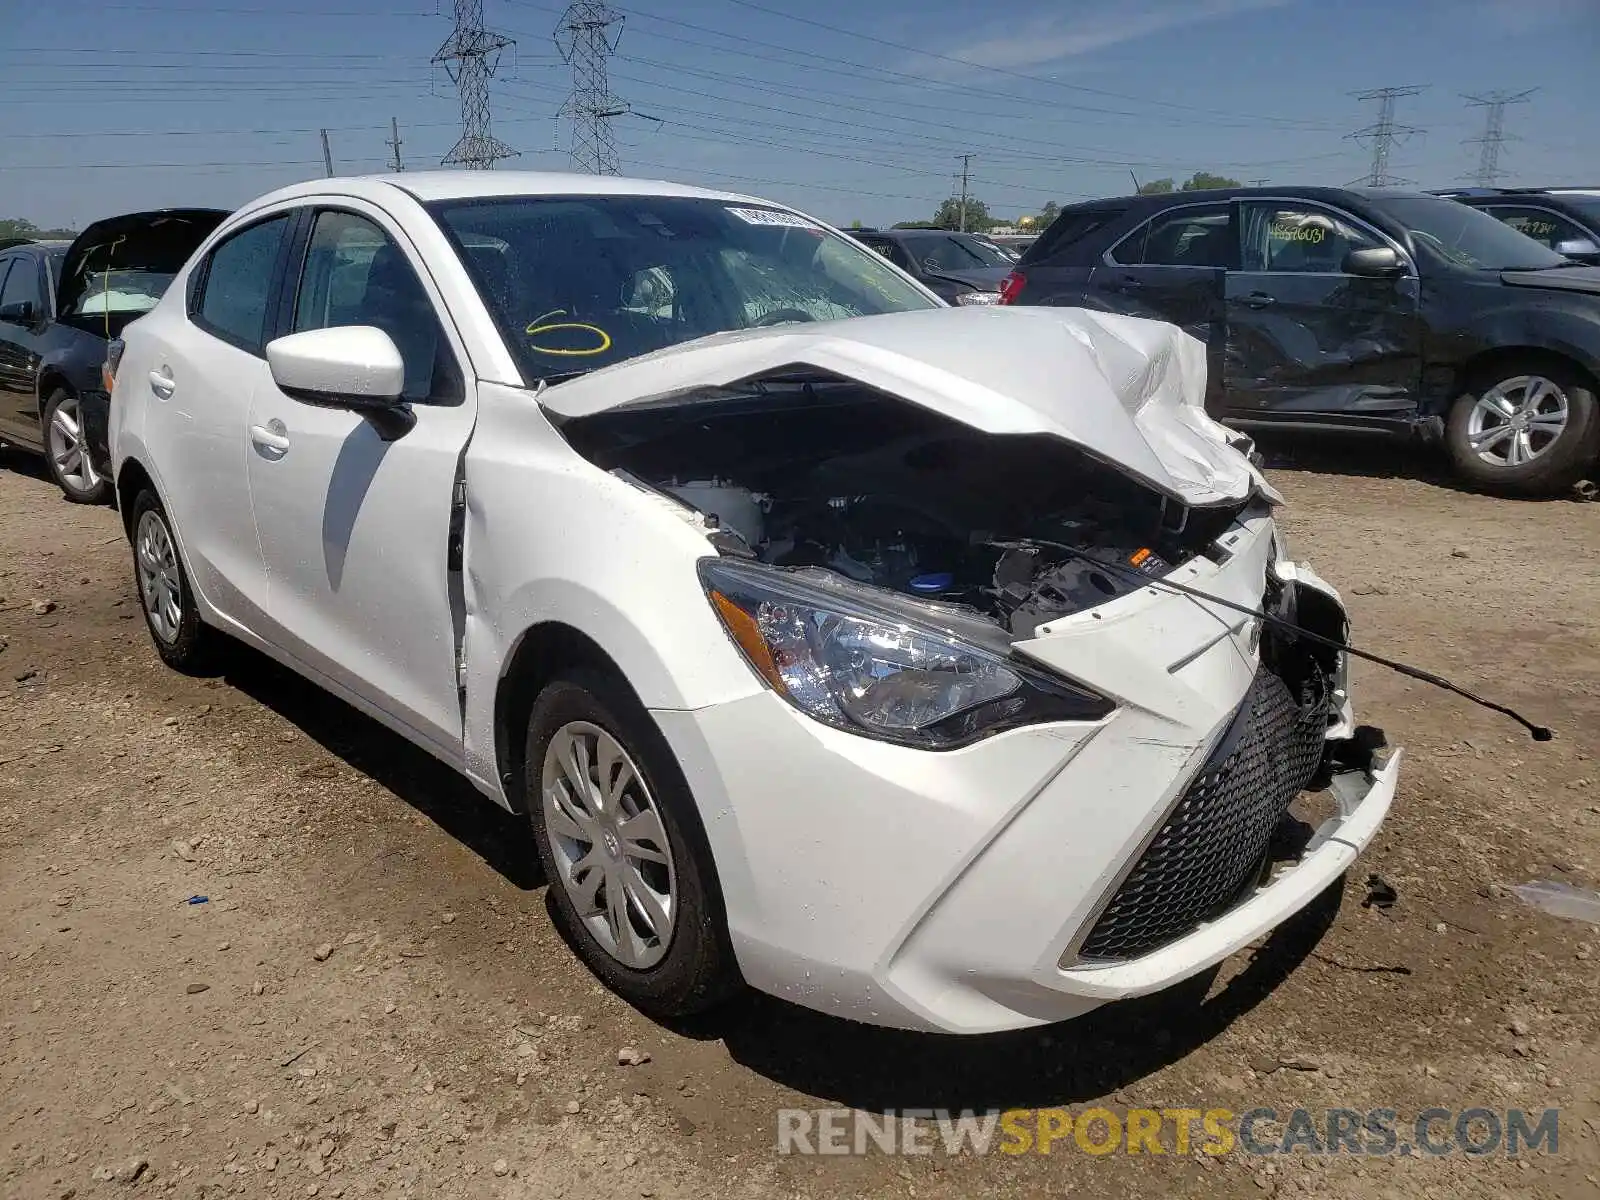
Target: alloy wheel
(609, 844)
(160, 585)
(69, 448)
(1517, 421)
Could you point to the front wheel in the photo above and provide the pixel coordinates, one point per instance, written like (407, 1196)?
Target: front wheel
(67, 453)
(621, 843)
(1529, 429)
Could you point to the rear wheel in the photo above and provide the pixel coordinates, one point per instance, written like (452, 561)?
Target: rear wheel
(67, 453)
(1529, 428)
(630, 873)
(170, 613)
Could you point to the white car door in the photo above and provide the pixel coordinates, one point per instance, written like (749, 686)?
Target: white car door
(355, 530)
(200, 364)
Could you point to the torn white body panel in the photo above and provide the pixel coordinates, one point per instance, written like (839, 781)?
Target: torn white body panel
(1127, 391)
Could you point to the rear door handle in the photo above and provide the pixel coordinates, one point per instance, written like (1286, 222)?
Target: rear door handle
(272, 438)
(1259, 300)
(162, 384)
(1132, 281)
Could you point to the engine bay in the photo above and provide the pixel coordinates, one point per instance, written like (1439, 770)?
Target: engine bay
(808, 474)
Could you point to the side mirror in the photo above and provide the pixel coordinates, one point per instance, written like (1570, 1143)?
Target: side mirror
(19, 313)
(1374, 262)
(355, 367)
(1578, 248)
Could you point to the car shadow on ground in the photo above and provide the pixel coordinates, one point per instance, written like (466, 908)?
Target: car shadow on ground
(1113, 1047)
(435, 790)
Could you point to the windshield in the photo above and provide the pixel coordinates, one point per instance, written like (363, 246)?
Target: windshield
(1467, 237)
(957, 252)
(578, 282)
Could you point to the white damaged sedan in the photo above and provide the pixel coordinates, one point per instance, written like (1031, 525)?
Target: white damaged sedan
(831, 640)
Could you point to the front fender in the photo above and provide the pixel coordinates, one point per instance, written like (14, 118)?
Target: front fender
(1556, 324)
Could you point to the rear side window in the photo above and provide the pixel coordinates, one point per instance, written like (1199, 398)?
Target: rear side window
(237, 287)
(1070, 228)
(1187, 237)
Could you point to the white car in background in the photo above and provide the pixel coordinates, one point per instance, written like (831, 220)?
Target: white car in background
(824, 633)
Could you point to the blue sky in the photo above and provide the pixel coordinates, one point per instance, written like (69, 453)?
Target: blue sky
(853, 112)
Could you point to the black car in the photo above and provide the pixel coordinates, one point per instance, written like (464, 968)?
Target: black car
(60, 304)
(1354, 309)
(1565, 219)
(962, 268)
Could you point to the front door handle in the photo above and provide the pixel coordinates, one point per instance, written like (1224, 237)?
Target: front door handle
(1259, 300)
(162, 383)
(272, 439)
(1132, 281)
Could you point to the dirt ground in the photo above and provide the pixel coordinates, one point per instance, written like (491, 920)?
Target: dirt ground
(372, 999)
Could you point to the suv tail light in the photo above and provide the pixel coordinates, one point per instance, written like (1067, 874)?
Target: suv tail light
(1011, 287)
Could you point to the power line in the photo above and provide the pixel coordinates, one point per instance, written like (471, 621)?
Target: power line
(1494, 131)
(970, 65)
(583, 35)
(470, 56)
(1384, 133)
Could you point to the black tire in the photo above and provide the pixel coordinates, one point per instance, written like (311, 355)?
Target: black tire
(72, 486)
(698, 970)
(1566, 460)
(191, 647)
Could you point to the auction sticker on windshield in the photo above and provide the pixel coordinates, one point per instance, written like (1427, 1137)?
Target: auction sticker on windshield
(771, 216)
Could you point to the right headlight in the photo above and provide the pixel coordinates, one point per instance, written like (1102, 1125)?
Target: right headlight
(840, 660)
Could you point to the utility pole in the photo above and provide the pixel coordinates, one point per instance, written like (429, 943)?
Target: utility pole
(1494, 132)
(584, 38)
(966, 178)
(1384, 133)
(394, 144)
(470, 56)
(327, 154)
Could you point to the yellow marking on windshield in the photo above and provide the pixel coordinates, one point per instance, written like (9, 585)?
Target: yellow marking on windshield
(542, 324)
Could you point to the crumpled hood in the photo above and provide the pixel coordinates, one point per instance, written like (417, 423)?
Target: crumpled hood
(1126, 390)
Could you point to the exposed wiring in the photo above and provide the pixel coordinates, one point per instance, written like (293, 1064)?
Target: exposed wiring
(1539, 733)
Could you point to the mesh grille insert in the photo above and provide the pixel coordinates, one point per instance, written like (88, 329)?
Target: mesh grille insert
(1214, 841)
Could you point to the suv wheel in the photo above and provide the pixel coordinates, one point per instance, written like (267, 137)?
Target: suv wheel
(67, 453)
(621, 844)
(1529, 428)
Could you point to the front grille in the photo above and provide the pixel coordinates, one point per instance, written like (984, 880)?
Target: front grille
(1214, 841)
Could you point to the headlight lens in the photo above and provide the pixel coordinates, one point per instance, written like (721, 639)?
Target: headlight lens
(875, 673)
(977, 297)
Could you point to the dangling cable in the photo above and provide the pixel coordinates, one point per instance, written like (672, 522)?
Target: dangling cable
(1539, 733)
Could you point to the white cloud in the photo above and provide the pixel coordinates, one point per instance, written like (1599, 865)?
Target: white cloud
(1052, 37)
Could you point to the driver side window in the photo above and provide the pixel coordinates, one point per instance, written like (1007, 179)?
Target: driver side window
(1298, 238)
(354, 274)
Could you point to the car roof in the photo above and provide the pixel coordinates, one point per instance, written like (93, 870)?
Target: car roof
(52, 246)
(1330, 195)
(430, 186)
